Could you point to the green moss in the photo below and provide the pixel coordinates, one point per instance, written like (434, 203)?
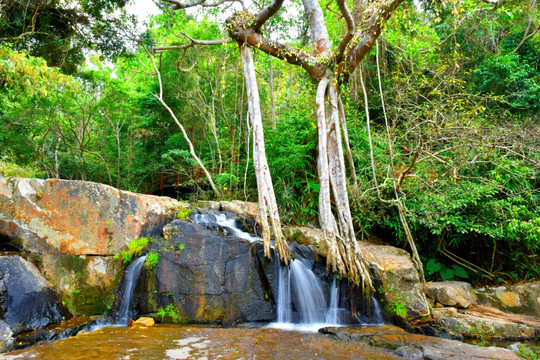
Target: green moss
(85, 301)
(184, 213)
(296, 237)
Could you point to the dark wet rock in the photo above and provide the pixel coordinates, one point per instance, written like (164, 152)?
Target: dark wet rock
(433, 348)
(452, 293)
(78, 217)
(30, 302)
(517, 299)
(53, 332)
(214, 279)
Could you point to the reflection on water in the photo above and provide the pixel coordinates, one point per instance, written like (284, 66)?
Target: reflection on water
(197, 342)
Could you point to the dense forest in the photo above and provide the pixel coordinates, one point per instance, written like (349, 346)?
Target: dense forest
(442, 117)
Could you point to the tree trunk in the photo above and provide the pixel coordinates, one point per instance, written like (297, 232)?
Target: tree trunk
(344, 254)
(267, 200)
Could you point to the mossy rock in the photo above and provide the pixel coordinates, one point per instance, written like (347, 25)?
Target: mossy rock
(85, 284)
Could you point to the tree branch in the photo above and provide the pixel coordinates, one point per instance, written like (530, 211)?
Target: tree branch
(284, 52)
(262, 16)
(527, 36)
(348, 36)
(192, 42)
(177, 5)
(366, 34)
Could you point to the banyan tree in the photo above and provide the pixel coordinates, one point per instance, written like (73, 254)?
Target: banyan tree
(330, 66)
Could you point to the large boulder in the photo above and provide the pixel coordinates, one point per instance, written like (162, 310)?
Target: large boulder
(517, 299)
(397, 280)
(85, 284)
(206, 277)
(78, 217)
(244, 208)
(415, 346)
(307, 235)
(483, 324)
(452, 293)
(28, 301)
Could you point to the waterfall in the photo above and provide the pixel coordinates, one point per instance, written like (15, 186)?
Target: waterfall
(299, 288)
(129, 282)
(377, 317)
(283, 307)
(302, 300)
(332, 314)
(309, 294)
(213, 218)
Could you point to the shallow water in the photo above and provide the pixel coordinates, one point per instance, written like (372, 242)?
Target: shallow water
(167, 341)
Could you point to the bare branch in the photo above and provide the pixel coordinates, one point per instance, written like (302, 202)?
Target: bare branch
(13, 38)
(527, 36)
(192, 43)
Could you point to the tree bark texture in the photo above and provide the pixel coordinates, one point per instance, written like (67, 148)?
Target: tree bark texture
(267, 200)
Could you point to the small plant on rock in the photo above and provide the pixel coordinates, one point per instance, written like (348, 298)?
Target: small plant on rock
(168, 311)
(135, 249)
(152, 261)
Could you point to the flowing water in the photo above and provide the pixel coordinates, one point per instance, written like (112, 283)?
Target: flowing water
(302, 303)
(213, 218)
(301, 290)
(332, 314)
(129, 282)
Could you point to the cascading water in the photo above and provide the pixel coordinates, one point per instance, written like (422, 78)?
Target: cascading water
(213, 218)
(283, 307)
(301, 303)
(298, 287)
(332, 314)
(131, 276)
(377, 317)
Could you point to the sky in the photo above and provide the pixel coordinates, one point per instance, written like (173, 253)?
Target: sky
(142, 8)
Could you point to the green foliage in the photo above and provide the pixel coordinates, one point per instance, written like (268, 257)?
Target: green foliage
(433, 267)
(179, 247)
(396, 308)
(226, 181)
(529, 352)
(152, 261)
(62, 33)
(10, 169)
(169, 311)
(135, 249)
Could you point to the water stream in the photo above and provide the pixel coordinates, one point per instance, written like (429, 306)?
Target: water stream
(302, 301)
(129, 282)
